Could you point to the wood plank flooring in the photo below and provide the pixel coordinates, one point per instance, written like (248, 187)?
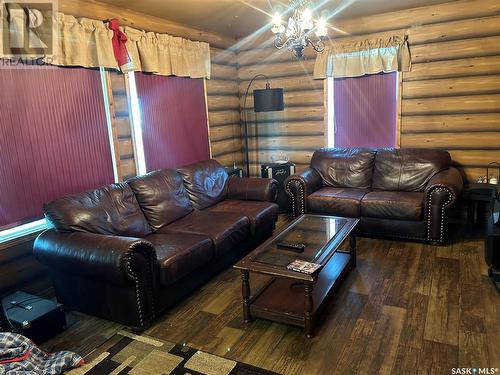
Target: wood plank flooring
(407, 308)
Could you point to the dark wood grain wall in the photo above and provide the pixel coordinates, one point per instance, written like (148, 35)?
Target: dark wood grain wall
(450, 99)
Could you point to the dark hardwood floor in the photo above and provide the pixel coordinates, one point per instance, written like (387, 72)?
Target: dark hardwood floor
(407, 308)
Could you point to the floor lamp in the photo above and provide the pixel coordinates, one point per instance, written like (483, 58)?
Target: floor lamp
(265, 100)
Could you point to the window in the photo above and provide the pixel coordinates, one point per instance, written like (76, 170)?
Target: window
(362, 111)
(53, 141)
(170, 120)
(56, 137)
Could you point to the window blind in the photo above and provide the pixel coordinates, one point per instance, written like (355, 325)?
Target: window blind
(174, 120)
(365, 111)
(53, 138)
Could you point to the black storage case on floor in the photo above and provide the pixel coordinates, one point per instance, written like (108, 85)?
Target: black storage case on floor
(34, 317)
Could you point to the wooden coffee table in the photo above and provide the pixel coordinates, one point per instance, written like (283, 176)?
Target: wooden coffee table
(292, 297)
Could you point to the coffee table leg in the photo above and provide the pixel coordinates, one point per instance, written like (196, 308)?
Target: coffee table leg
(245, 291)
(308, 308)
(352, 249)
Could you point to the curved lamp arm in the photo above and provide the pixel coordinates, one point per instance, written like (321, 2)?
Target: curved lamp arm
(245, 117)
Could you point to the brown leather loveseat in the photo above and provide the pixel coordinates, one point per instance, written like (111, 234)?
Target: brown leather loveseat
(402, 193)
(127, 251)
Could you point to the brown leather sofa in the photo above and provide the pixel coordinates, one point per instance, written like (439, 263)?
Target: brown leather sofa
(128, 251)
(401, 193)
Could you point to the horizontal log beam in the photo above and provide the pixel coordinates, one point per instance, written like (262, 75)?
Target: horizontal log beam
(458, 49)
(224, 72)
(454, 68)
(220, 103)
(474, 157)
(450, 123)
(486, 140)
(452, 105)
(455, 30)
(223, 56)
(293, 99)
(219, 118)
(289, 69)
(222, 87)
(452, 87)
(287, 83)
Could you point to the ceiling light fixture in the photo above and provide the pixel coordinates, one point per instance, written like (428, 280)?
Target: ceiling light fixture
(297, 34)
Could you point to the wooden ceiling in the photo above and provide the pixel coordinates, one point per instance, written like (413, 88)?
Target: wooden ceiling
(237, 18)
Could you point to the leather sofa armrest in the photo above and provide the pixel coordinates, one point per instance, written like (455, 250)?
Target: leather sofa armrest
(114, 259)
(252, 189)
(441, 192)
(299, 186)
(449, 180)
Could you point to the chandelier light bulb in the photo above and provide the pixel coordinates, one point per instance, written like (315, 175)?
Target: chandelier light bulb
(277, 22)
(277, 19)
(321, 29)
(306, 19)
(306, 15)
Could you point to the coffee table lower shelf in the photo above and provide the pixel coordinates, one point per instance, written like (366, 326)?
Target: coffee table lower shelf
(285, 300)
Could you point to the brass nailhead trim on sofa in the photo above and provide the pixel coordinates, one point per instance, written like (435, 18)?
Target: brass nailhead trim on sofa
(299, 206)
(451, 198)
(137, 294)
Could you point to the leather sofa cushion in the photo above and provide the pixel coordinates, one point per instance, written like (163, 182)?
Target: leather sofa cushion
(206, 183)
(336, 201)
(393, 205)
(344, 167)
(226, 229)
(180, 254)
(111, 209)
(262, 215)
(407, 169)
(162, 197)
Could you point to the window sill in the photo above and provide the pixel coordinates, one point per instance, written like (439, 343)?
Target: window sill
(22, 233)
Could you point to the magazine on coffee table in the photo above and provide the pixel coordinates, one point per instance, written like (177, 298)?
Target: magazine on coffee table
(303, 267)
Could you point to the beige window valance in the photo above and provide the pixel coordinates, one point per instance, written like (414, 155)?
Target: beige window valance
(82, 42)
(167, 55)
(359, 57)
(89, 43)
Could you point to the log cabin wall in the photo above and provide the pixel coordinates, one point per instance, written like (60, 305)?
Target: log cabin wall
(450, 99)
(121, 125)
(224, 108)
(301, 127)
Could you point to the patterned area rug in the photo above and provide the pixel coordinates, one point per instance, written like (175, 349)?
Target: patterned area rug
(126, 353)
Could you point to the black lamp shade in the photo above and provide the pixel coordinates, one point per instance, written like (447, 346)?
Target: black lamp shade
(268, 100)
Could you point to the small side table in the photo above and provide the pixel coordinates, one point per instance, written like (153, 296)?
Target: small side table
(475, 193)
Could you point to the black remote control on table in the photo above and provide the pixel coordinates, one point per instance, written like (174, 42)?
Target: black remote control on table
(298, 247)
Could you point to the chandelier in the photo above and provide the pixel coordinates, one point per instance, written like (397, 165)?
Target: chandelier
(298, 33)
